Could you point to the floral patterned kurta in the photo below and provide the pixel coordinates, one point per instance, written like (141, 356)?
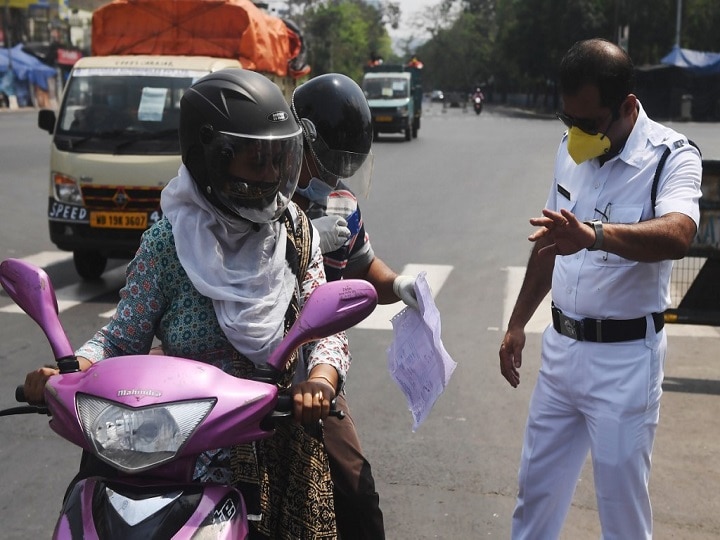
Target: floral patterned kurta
(159, 301)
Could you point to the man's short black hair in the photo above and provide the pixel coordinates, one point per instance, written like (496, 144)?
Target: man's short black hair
(600, 63)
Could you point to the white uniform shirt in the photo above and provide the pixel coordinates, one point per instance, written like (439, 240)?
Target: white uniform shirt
(603, 285)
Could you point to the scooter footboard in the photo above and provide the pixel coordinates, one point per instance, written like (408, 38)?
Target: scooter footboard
(98, 508)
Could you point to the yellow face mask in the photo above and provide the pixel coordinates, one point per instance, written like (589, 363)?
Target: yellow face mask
(582, 146)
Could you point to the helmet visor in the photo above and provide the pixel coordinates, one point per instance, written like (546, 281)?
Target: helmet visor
(355, 168)
(359, 183)
(254, 177)
(339, 163)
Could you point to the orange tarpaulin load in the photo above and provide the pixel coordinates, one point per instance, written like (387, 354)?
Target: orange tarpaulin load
(220, 28)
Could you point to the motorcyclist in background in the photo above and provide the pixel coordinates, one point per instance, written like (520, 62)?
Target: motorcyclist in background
(337, 127)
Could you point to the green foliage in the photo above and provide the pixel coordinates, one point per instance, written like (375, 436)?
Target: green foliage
(518, 44)
(341, 35)
(508, 45)
(459, 57)
(702, 18)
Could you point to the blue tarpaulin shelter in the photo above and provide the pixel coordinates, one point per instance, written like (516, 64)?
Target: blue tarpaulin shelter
(684, 83)
(697, 62)
(25, 67)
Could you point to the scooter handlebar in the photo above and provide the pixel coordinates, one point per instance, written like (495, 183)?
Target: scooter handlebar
(285, 405)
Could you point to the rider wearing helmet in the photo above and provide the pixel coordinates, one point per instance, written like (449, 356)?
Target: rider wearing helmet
(337, 164)
(244, 157)
(219, 278)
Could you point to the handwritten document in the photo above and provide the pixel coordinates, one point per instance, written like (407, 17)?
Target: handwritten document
(417, 359)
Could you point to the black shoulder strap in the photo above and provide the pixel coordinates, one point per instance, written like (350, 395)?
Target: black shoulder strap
(298, 254)
(661, 164)
(299, 243)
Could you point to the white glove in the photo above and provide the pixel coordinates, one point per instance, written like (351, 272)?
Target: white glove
(404, 288)
(333, 232)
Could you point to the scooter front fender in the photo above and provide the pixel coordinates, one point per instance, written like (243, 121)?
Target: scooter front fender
(110, 509)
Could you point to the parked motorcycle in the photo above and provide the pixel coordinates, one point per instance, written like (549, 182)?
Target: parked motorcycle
(149, 417)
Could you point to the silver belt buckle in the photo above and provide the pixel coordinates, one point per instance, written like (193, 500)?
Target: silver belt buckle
(570, 327)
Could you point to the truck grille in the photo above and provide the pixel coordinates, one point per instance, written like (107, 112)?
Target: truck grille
(121, 198)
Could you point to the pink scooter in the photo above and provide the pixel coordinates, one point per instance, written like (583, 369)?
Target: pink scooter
(148, 417)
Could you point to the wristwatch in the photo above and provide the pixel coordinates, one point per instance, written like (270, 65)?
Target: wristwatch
(597, 226)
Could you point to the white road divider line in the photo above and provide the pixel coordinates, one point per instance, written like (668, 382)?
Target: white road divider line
(379, 319)
(83, 291)
(48, 258)
(107, 314)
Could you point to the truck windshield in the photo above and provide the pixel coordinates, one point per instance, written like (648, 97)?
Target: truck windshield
(109, 110)
(386, 88)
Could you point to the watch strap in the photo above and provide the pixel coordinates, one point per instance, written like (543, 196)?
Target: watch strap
(597, 226)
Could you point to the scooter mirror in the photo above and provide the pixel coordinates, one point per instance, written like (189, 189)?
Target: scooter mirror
(31, 289)
(331, 308)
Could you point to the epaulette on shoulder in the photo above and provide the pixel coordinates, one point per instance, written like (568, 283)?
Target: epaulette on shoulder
(680, 143)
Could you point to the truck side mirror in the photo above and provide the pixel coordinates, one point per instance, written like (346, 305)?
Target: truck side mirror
(46, 120)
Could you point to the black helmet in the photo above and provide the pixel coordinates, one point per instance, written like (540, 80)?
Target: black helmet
(241, 143)
(337, 125)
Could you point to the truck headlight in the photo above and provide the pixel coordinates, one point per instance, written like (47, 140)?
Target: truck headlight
(133, 440)
(66, 189)
(402, 111)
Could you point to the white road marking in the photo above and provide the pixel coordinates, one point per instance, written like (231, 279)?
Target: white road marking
(542, 318)
(48, 258)
(107, 314)
(379, 319)
(82, 291)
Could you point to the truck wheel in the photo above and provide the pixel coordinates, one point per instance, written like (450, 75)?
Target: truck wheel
(415, 128)
(408, 133)
(89, 265)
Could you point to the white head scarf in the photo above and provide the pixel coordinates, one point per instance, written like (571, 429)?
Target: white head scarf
(242, 270)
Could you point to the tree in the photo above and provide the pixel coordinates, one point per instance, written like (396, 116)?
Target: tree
(701, 23)
(341, 34)
(514, 46)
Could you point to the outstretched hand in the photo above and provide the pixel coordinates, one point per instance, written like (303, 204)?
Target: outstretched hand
(563, 232)
(404, 289)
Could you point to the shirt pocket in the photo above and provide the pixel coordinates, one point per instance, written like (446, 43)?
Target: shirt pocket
(618, 214)
(562, 202)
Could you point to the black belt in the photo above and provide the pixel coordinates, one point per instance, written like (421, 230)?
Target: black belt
(604, 330)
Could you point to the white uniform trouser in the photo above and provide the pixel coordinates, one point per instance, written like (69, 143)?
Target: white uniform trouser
(597, 397)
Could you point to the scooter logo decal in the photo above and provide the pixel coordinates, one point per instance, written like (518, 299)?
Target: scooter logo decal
(225, 512)
(139, 392)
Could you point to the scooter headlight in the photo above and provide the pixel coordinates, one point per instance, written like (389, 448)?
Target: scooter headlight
(137, 439)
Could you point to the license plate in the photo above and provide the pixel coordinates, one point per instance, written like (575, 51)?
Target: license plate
(118, 220)
(383, 119)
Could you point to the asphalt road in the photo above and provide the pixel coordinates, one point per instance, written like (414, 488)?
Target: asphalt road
(454, 202)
